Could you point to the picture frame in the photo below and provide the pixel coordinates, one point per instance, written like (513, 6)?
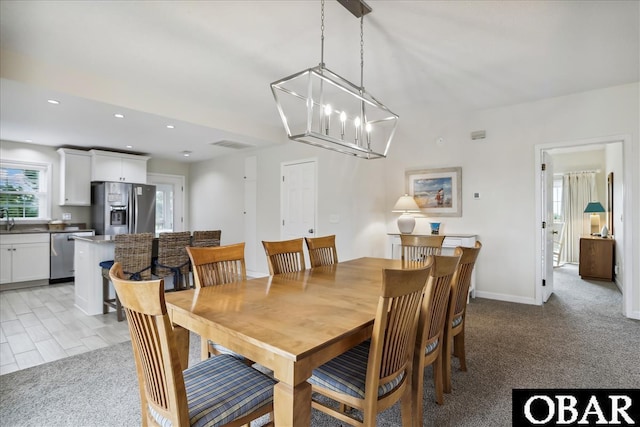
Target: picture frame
(438, 192)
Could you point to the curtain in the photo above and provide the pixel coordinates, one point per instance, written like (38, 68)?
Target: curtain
(578, 189)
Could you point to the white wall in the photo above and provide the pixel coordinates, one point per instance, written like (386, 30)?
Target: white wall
(500, 167)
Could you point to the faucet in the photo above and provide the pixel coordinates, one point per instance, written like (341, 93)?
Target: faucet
(10, 221)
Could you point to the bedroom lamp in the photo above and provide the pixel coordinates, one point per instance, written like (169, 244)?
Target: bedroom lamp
(595, 209)
(321, 108)
(407, 205)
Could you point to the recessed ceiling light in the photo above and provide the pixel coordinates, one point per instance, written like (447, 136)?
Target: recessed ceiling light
(129, 146)
(170, 126)
(53, 101)
(118, 116)
(186, 153)
(28, 140)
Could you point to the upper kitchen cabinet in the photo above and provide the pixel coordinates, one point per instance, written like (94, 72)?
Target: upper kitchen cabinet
(119, 167)
(75, 177)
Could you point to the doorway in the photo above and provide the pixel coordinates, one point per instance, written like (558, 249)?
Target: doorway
(298, 199)
(614, 148)
(169, 202)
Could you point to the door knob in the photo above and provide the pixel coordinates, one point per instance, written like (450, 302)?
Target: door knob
(311, 231)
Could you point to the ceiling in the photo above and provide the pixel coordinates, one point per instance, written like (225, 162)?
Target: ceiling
(205, 66)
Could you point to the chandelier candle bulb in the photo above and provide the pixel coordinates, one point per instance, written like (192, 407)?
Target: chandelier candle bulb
(327, 118)
(343, 119)
(368, 129)
(356, 123)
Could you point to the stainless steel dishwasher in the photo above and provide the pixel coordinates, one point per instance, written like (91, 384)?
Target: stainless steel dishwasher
(61, 260)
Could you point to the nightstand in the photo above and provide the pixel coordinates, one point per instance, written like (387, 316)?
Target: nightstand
(596, 258)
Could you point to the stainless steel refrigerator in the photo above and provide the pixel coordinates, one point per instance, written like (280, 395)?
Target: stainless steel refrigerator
(121, 208)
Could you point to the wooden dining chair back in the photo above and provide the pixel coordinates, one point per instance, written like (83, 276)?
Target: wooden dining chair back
(173, 259)
(202, 238)
(430, 336)
(415, 249)
(374, 375)
(134, 253)
(285, 256)
(201, 394)
(322, 250)
(217, 265)
(457, 310)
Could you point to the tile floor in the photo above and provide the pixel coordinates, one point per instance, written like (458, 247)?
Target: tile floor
(41, 324)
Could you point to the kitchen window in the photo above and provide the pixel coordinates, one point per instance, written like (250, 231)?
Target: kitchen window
(24, 190)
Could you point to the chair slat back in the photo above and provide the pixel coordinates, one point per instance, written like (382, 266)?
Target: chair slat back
(218, 265)
(417, 248)
(172, 252)
(155, 350)
(436, 301)
(206, 238)
(134, 253)
(285, 256)
(322, 250)
(460, 291)
(394, 330)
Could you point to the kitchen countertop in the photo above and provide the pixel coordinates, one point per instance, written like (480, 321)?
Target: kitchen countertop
(42, 228)
(96, 239)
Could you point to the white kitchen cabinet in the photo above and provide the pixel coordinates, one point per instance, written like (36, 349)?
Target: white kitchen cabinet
(118, 167)
(24, 257)
(75, 177)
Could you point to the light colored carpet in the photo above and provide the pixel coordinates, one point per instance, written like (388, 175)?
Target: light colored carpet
(578, 339)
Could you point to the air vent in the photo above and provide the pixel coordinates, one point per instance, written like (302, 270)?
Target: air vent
(231, 144)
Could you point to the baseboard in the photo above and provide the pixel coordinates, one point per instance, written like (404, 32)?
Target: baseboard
(505, 297)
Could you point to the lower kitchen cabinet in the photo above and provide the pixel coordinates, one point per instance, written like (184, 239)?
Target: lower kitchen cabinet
(24, 257)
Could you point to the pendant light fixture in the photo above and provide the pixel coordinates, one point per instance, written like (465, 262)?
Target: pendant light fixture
(320, 108)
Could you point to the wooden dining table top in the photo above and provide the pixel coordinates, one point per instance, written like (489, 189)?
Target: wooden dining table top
(291, 323)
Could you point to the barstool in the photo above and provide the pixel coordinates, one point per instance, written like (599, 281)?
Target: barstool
(133, 252)
(206, 238)
(173, 258)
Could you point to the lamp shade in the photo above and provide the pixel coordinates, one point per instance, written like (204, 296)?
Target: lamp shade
(594, 207)
(406, 203)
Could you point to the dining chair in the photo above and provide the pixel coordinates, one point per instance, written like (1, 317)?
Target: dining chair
(375, 374)
(173, 259)
(417, 248)
(285, 256)
(134, 253)
(206, 238)
(217, 266)
(218, 391)
(430, 335)
(457, 310)
(322, 250)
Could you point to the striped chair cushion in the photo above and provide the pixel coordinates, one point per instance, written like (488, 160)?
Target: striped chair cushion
(221, 389)
(347, 373)
(456, 321)
(431, 347)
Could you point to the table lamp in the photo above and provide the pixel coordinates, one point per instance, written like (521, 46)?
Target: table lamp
(595, 209)
(406, 204)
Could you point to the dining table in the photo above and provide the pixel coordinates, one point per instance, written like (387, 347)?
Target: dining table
(290, 323)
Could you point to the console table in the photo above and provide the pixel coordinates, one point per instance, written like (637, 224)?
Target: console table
(451, 241)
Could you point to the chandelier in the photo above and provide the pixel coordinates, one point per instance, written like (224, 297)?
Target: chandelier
(320, 108)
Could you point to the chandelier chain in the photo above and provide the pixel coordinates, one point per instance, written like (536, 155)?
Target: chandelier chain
(361, 52)
(322, 32)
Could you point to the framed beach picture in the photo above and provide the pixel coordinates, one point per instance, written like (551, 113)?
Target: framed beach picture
(438, 192)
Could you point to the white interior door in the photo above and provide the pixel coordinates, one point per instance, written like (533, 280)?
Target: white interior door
(298, 209)
(169, 201)
(547, 232)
